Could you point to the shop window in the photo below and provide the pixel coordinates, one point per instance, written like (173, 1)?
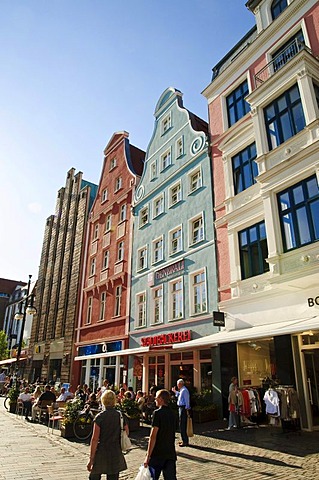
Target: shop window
(206, 376)
(256, 362)
(245, 168)
(156, 371)
(253, 251)
(237, 107)
(299, 213)
(198, 293)
(141, 309)
(277, 7)
(284, 117)
(205, 354)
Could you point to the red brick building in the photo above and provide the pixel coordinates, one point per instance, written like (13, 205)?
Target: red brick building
(104, 308)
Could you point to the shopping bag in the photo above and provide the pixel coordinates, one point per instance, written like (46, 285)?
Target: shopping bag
(144, 473)
(189, 427)
(125, 441)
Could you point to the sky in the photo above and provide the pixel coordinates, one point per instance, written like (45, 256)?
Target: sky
(75, 71)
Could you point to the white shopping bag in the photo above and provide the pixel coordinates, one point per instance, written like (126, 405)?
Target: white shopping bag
(144, 473)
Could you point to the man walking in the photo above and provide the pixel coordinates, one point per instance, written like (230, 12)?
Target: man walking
(183, 403)
(161, 454)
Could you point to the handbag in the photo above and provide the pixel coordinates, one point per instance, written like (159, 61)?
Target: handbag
(143, 473)
(189, 427)
(125, 441)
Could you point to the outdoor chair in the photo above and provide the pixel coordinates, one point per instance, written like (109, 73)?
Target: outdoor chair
(19, 408)
(55, 416)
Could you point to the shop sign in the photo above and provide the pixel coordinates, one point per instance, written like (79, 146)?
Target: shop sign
(313, 301)
(219, 319)
(166, 339)
(170, 271)
(100, 348)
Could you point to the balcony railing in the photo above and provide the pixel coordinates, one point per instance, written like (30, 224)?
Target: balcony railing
(279, 61)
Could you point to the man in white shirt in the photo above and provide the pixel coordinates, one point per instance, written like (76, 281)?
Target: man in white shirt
(25, 398)
(183, 403)
(64, 395)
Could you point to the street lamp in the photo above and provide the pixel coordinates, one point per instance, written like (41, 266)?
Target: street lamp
(25, 307)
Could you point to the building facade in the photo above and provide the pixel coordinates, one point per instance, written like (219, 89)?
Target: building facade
(264, 118)
(103, 322)
(52, 335)
(174, 286)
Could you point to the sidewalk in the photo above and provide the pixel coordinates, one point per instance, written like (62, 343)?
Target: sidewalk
(28, 452)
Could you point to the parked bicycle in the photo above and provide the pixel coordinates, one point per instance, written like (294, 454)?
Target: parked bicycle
(83, 425)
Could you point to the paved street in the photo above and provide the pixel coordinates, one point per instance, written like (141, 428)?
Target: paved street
(29, 452)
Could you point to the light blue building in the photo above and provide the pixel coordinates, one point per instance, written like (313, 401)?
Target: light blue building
(174, 287)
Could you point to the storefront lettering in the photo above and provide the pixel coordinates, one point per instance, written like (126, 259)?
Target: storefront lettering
(170, 270)
(166, 339)
(313, 301)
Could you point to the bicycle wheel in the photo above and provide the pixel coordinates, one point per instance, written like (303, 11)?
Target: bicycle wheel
(6, 403)
(83, 426)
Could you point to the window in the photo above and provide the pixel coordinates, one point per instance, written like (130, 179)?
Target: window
(157, 310)
(316, 89)
(102, 305)
(153, 170)
(118, 295)
(195, 180)
(112, 163)
(237, 107)
(92, 266)
(120, 251)
(166, 160)
(166, 123)
(158, 206)
(95, 231)
(284, 117)
(299, 213)
(123, 212)
(106, 258)
(245, 168)
(89, 310)
(196, 230)
(253, 250)
(179, 147)
(142, 258)
(118, 184)
(288, 50)
(176, 244)
(198, 293)
(158, 250)
(104, 195)
(108, 223)
(175, 194)
(277, 7)
(144, 216)
(176, 300)
(141, 310)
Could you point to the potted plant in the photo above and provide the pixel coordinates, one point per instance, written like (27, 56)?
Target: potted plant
(204, 410)
(71, 413)
(130, 408)
(13, 395)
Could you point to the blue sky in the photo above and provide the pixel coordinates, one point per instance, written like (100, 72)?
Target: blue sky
(73, 72)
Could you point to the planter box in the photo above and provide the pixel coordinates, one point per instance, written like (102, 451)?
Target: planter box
(67, 430)
(202, 416)
(12, 407)
(133, 424)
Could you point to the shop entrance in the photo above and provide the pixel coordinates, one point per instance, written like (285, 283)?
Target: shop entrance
(312, 376)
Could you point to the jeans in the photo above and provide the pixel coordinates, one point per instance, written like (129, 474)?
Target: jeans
(233, 419)
(168, 467)
(183, 424)
(97, 476)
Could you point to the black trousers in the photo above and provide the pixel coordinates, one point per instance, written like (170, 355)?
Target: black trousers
(97, 476)
(168, 467)
(183, 424)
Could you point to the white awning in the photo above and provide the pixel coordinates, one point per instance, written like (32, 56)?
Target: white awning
(254, 332)
(11, 360)
(128, 351)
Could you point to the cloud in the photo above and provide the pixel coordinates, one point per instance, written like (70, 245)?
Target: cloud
(34, 207)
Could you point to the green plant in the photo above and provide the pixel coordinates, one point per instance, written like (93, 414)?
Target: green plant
(129, 408)
(203, 401)
(13, 394)
(72, 410)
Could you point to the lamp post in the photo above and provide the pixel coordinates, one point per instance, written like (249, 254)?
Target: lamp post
(25, 307)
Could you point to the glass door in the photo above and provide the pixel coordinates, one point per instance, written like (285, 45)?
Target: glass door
(312, 378)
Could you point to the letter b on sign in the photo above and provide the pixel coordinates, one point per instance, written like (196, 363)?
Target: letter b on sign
(313, 301)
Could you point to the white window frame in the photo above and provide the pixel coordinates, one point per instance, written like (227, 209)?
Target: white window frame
(113, 163)
(180, 147)
(141, 215)
(153, 170)
(106, 259)
(171, 240)
(171, 296)
(196, 172)
(108, 223)
(117, 303)
(155, 249)
(166, 123)
(192, 291)
(157, 199)
(139, 251)
(140, 305)
(89, 308)
(104, 195)
(118, 184)
(178, 184)
(160, 301)
(167, 153)
(92, 267)
(95, 231)
(102, 306)
(120, 251)
(191, 223)
(123, 210)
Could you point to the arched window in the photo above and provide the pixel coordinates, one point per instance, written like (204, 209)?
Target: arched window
(277, 7)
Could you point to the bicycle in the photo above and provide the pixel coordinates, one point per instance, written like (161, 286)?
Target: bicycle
(83, 425)
(6, 402)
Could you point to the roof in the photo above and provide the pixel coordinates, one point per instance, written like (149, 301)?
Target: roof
(137, 159)
(198, 123)
(8, 286)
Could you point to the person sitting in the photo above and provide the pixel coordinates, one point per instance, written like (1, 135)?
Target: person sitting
(47, 396)
(140, 400)
(64, 395)
(128, 396)
(26, 398)
(92, 402)
(130, 389)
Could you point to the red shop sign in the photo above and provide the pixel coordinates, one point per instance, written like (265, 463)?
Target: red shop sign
(166, 339)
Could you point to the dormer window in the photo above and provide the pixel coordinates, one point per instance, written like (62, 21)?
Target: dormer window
(277, 7)
(166, 124)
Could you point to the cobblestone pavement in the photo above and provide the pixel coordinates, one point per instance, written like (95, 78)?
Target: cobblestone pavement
(29, 452)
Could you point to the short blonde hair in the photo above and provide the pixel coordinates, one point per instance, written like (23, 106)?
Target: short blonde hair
(108, 398)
